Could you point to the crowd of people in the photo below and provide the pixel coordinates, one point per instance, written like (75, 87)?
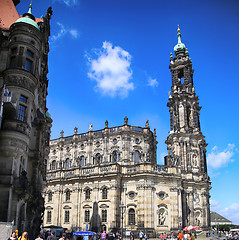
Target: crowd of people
(117, 236)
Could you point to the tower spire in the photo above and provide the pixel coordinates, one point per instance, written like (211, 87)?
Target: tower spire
(30, 8)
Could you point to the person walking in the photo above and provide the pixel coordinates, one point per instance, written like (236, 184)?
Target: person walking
(13, 236)
(52, 236)
(24, 236)
(141, 235)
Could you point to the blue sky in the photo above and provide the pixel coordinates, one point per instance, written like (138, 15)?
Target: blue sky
(109, 59)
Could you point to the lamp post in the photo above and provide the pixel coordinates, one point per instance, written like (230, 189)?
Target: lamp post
(122, 208)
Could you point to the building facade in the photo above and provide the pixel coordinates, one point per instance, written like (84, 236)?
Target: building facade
(25, 123)
(95, 178)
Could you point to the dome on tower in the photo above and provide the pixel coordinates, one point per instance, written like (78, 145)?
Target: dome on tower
(28, 18)
(180, 47)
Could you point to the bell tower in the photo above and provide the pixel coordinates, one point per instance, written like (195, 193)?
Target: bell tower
(185, 144)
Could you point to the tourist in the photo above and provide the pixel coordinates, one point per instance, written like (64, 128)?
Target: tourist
(63, 237)
(131, 236)
(13, 236)
(24, 236)
(39, 237)
(180, 236)
(191, 236)
(52, 236)
(141, 235)
(103, 235)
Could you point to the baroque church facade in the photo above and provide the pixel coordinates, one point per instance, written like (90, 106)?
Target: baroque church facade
(24, 122)
(95, 178)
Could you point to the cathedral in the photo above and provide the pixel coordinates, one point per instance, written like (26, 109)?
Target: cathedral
(109, 179)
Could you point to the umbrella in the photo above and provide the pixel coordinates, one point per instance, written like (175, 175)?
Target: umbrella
(189, 228)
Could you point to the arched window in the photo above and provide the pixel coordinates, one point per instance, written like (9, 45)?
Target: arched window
(67, 163)
(104, 215)
(68, 195)
(49, 196)
(104, 193)
(82, 161)
(136, 156)
(98, 158)
(53, 165)
(115, 156)
(87, 194)
(131, 215)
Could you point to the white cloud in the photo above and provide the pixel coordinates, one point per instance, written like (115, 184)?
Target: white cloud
(74, 33)
(152, 82)
(69, 3)
(62, 32)
(218, 159)
(232, 213)
(111, 70)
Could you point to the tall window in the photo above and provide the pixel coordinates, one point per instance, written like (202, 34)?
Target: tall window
(131, 216)
(136, 156)
(87, 215)
(22, 108)
(67, 216)
(48, 217)
(114, 156)
(29, 61)
(98, 158)
(104, 193)
(87, 194)
(68, 195)
(21, 165)
(104, 215)
(53, 165)
(82, 161)
(13, 58)
(67, 163)
(49, 196)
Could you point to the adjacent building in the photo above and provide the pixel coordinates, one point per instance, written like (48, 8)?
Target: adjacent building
(24, 121)
(109, 178)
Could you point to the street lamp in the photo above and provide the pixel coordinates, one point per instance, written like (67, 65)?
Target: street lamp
(122, 208)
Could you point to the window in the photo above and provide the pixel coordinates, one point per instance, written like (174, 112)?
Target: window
(68, 195)
(29, 61)
(82, 161)
(67, 163)
(67, 216)
(21, 165)
(98, 158)
(87, 215)
(53, 165)
(115, 156)
(136, 156)
(22, 108)
(28, 65)
(87, 194)
(104, 215)
(48, 217)
(30, 54)
(104, 193)
(13, 62)
(131, 216)
(50, 197)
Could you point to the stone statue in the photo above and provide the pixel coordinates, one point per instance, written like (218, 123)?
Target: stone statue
(75, 130)
(90, 127)
(125, 120)
(106, 124)
(147, 124)
(62, 133)
(162, 217)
